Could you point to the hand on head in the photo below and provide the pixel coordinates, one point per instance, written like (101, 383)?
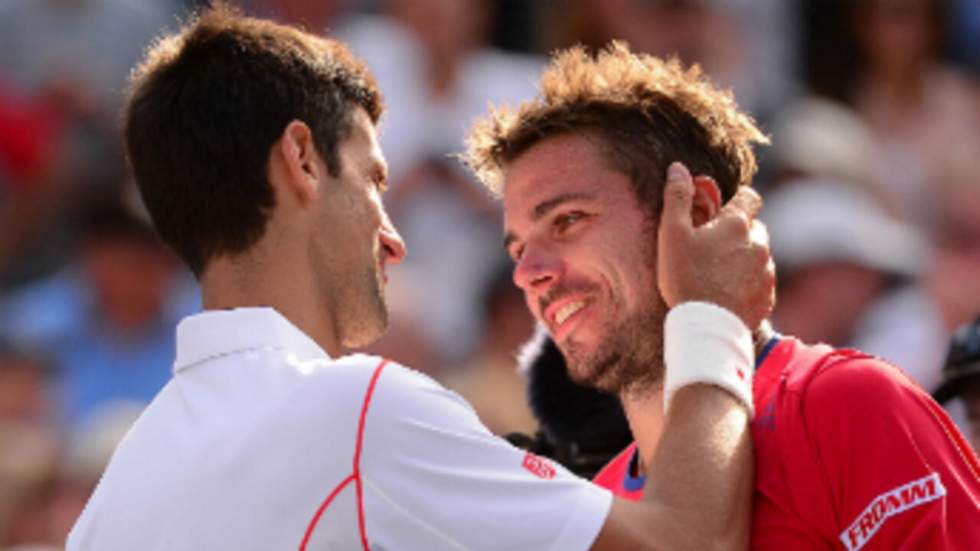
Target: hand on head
(724, 261)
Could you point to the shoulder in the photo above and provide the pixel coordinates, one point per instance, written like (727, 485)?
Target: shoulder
(380, 376)
(855, 380)
(827, 385)
(352, 383)
(864, 397)
(393, 391)
(823, 372)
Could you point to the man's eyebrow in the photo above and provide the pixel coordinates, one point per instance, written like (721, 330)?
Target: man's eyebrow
(546, 206)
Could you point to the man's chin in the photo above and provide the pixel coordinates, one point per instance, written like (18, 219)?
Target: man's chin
(600, 374)
(367, 327)
(365, 337)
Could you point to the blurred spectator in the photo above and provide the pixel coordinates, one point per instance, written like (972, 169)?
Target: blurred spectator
(912, 327)
(86, 456)
(742, 44)
(106, 322)
(433, 63)
(28, 448)
(961, 378)
(837, 252)
(63, 66)
(916, 105)
(83, 47)
(28, 470)
(883, 57)
(48, 496)
(821, 138)
(23, 380)
(28, 130)
(490, 381)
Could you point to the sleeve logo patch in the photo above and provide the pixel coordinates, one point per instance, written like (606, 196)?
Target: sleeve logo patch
(538, 466)
(889, 504)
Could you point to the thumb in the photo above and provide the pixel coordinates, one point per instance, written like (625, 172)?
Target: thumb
(678, 197)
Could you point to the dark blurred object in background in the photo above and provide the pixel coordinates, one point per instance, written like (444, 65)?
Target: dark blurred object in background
(582, 428)
(961, 377)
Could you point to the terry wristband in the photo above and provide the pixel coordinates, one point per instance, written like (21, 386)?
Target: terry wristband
(707, 344)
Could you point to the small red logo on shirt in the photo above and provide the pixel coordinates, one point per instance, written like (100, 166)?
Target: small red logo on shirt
(889, 504)
(538, 466)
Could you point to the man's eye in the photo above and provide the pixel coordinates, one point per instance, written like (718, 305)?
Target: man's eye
(564, 221)
(516, 253)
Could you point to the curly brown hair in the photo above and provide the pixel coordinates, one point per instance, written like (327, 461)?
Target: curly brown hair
(647, 113)
(206, 106)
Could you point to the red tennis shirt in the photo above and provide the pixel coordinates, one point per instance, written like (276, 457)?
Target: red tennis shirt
(850, 454)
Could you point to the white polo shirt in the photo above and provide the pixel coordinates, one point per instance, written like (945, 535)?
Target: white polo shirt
(262, 441)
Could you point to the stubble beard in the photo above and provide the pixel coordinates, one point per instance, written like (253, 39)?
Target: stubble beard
(629, 357)
(355, 299)
(365, 317)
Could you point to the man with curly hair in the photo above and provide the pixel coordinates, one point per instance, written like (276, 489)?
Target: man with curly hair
(255, 149)
(850, 453)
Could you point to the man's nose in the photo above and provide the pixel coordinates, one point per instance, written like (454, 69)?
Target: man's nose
(536, 270)
(392, 244)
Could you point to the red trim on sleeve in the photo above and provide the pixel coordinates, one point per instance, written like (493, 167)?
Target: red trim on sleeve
(319, 512)
(355, 475)
(357, 453)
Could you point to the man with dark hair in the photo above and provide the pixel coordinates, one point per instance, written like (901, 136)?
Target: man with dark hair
(849, 451)
(256, 153)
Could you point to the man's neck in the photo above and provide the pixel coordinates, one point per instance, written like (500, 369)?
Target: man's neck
(238, 283)
(645, 414)
(645, 408)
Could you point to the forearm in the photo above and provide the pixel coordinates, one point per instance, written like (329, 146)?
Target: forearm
(700, 479)
(699, 482)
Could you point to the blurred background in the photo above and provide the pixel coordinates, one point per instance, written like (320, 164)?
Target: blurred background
(872, 187)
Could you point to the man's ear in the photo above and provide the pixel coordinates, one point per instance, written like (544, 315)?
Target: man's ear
(707, 200)
(299, 169)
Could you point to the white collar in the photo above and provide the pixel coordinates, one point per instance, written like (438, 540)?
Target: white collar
(214, 333)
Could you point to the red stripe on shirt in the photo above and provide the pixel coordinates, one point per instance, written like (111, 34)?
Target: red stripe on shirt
(357, 453)
(355, 476)
(319, 512)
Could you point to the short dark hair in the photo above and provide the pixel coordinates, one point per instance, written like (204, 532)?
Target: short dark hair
(205, 107)
(645, 112)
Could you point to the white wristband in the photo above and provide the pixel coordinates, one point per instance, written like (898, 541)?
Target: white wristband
(707, 344)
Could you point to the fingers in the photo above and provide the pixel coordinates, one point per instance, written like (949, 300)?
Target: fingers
(746, 202)
(678, 196)
(759, 234)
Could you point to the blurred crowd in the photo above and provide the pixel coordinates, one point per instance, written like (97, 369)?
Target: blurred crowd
(872, 189)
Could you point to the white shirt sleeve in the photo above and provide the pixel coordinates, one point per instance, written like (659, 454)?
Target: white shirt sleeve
(435, 478)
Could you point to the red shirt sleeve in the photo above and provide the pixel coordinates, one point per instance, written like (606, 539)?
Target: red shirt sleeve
(900, 475)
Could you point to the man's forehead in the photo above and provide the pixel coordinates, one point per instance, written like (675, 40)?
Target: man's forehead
(533, 196)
